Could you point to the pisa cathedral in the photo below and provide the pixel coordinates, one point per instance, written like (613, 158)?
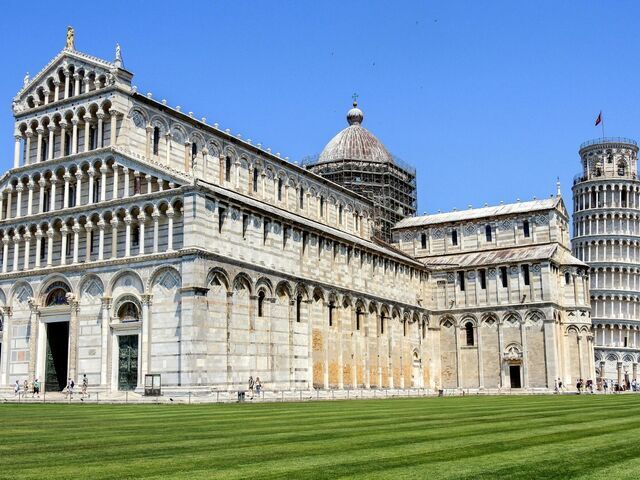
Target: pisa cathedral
(137, 239)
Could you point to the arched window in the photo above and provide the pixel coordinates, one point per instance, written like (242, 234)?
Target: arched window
(301, 197)
(381, 324)
(56, 294)
(67, 144)
(468, 328)
(525, 229)
(279, 189)
(255, 179)
(72, 196)
(128, 312)
(45, 150)
(423, 240)
(156, 140)
(46, 202)
(194, 150)
(322, 207)
(340, 214)
(135, 235)
(298, 308)
(96, 191)
(227, 169)
(93, 138)
(261, 303)
(358, 318)
(567, 278)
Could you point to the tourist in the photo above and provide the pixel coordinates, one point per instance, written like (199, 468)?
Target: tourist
(16, 388)
(555, 387)
(36, 387)
(606, 386)
(26, 387)
(258, 386)
(560, 386)
(251, 385)
(85, 385)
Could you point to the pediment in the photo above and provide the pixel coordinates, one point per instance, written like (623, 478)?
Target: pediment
(86, 66)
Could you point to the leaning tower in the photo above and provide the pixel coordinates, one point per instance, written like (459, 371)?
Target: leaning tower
(606, 235)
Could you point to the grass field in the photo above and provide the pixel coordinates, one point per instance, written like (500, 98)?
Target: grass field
(469, 437)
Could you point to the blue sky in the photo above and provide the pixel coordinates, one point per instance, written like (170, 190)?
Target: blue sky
(489, 100)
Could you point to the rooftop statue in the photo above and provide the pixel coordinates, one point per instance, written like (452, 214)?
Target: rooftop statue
(70, 39)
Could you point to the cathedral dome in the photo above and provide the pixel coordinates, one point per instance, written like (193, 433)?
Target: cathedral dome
(355, 143)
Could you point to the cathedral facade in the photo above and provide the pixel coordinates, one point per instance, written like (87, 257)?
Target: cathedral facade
(137, 239)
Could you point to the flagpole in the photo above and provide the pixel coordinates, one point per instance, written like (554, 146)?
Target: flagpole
(602, 127)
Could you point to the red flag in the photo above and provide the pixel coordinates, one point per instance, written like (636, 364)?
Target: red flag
(599, 119)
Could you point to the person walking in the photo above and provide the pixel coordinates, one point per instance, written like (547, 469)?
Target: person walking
(252, 384)
(26, 387)
(36, 387)
(16, 388)
(258, 386)
(85, 385)
(606, 387)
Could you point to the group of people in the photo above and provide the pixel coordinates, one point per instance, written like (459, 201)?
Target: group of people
(255, 385)
(34, 387)
(25, 388)
(615, 387)
(581, 386)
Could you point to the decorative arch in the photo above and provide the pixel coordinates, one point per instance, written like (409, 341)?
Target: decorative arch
(90, 288)
(128, 308)
(21, 292)
(165, 277)
(127, 279)
(241, 281)
(264, 284)
(218, 276)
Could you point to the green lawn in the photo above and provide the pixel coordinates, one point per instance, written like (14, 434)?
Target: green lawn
(465, 437)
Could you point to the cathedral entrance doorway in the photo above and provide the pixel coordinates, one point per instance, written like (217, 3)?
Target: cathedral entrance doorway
(127, 362)
(57, 356)
(514, 375)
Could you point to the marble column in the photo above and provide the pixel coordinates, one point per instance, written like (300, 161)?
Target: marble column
(170, 214)
(52, 142)
(87, 132)
(114, 237)
(101, 227)
(76, 240)
(156, 217)
(78, 187)
(16, 151)
(100, 116)
(116, 167)
(91, 173)
(19, 189)
(74, 136)
(27, 249)
(146, 337)
(5, 253)
(31, 186)
(40, 132)
(65, 197)
(63, 137)
(27, 148)
(52, 194)
(64, 231)
(39, 235)
(16, 251)
(106, 305)
(43, 184)
(127, 235)
(88, 228)
(141, 219)
(125, 170)
(103, 182)
(50, 246)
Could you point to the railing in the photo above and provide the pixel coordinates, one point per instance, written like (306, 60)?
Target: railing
(603, 140)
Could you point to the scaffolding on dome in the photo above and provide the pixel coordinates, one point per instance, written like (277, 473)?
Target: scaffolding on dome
(391, 186)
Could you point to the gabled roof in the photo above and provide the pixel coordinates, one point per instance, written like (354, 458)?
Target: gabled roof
(477, 213)
(59, 58)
